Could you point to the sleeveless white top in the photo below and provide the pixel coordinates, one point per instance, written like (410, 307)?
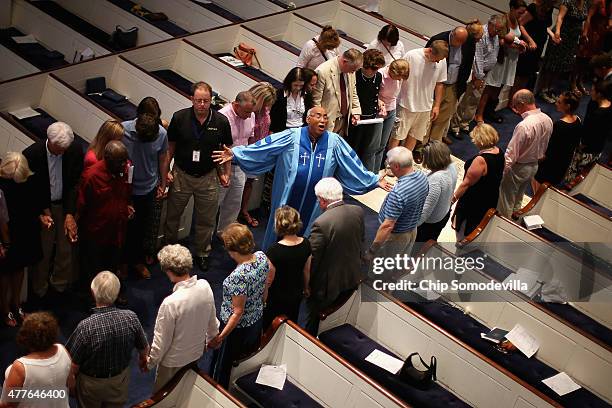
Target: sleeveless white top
(46, 373)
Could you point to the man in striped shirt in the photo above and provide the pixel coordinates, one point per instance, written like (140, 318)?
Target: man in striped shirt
(485, 59)
(401, 210)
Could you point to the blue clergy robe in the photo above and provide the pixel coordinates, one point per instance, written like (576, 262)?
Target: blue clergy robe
(299, 166)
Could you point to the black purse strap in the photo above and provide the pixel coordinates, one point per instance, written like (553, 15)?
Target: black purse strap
(433, 366)
(320, 48)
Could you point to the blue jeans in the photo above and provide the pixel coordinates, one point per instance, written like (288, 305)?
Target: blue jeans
(387, 127)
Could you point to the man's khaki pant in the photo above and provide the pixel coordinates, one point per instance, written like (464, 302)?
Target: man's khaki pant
(513, 185)
(62, 274)
(205, 192)
(448, 107)
(466, 108)
(103, 392)
(163, 375)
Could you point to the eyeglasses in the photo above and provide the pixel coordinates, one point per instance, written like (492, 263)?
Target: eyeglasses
(201, 101)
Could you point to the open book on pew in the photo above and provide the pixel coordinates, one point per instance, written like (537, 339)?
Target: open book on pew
(496, 335)
(235, 62)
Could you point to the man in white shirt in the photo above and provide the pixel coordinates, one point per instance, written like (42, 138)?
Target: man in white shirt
(186, 320)
(417, 105)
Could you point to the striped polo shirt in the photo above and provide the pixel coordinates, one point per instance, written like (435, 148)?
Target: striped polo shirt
(404, 203)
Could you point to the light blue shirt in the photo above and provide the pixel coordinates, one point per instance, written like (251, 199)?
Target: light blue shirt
(404, 204)
(144, 157)
(55, 174)
(453, 62)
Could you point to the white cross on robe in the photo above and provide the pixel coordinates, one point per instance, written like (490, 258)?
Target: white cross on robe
(319, 158)
(305, 156)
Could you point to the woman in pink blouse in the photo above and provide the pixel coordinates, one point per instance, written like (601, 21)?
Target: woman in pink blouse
(265, 94)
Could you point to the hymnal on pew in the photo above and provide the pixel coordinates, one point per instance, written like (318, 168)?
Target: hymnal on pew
(235, 62)
(496, 335)
(25, 39)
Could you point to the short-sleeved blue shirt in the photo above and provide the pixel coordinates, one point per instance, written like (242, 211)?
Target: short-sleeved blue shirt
(248, 280)
(404, 203)
(144, 157)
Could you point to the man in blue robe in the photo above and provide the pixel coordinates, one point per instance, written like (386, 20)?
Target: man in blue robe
(302, 157)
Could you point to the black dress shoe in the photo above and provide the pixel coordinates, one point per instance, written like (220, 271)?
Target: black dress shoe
(202, 262)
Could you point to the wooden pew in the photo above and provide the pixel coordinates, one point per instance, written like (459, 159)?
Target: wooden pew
(461, 369)
(192, 63)
(593, 187)
(275, 61)
(249, 9)
(461, 10)
(61, 102)
(568, 219)
(357, 23)
(496, 235)
(186, 14)
(13, 66)
(315, 374)
(418, 16)
(563, 346)
(191, 388)
(106, 16)
(29, 19)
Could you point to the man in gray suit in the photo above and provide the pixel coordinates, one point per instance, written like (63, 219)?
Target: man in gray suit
(336, 239)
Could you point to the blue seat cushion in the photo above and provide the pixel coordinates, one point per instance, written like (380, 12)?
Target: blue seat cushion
(288, 46)
(124, 109)
(166, 25)
(531, 370)
(220, 11)
(354, 346)
(599, 208)
(174, 79)
(586, 257)
(289, 397)
(35, 53)
(38, 125)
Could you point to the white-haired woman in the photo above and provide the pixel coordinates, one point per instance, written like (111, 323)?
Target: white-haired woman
(21, 243)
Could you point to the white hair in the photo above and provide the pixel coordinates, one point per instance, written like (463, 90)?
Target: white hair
(401, 156)
(105, 287)
(175, 258)
(329, 189)
(60, 134)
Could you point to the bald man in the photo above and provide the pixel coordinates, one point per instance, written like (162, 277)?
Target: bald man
(461, 50)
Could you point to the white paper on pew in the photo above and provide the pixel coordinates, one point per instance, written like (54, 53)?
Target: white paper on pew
(561, 384)
(369, 121)
(25, 39)
(528, 277)
(24, 113)
(385, 361)
(204, 1)
(235, 62)
(533, 221)
(523, 341)
(272, 376)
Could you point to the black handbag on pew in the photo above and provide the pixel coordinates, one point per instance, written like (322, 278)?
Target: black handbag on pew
(418, 378)
(123, 39)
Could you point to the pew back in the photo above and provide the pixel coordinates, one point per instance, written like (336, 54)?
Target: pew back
(597, 185)
(13, 66)
(186, 14)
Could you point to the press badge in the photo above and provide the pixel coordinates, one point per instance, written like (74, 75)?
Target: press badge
(130, 174)
(196, 156)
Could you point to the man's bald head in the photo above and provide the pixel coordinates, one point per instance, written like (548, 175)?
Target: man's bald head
(459, 37)
(115, 156)
(317, 121)
(523, 101)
